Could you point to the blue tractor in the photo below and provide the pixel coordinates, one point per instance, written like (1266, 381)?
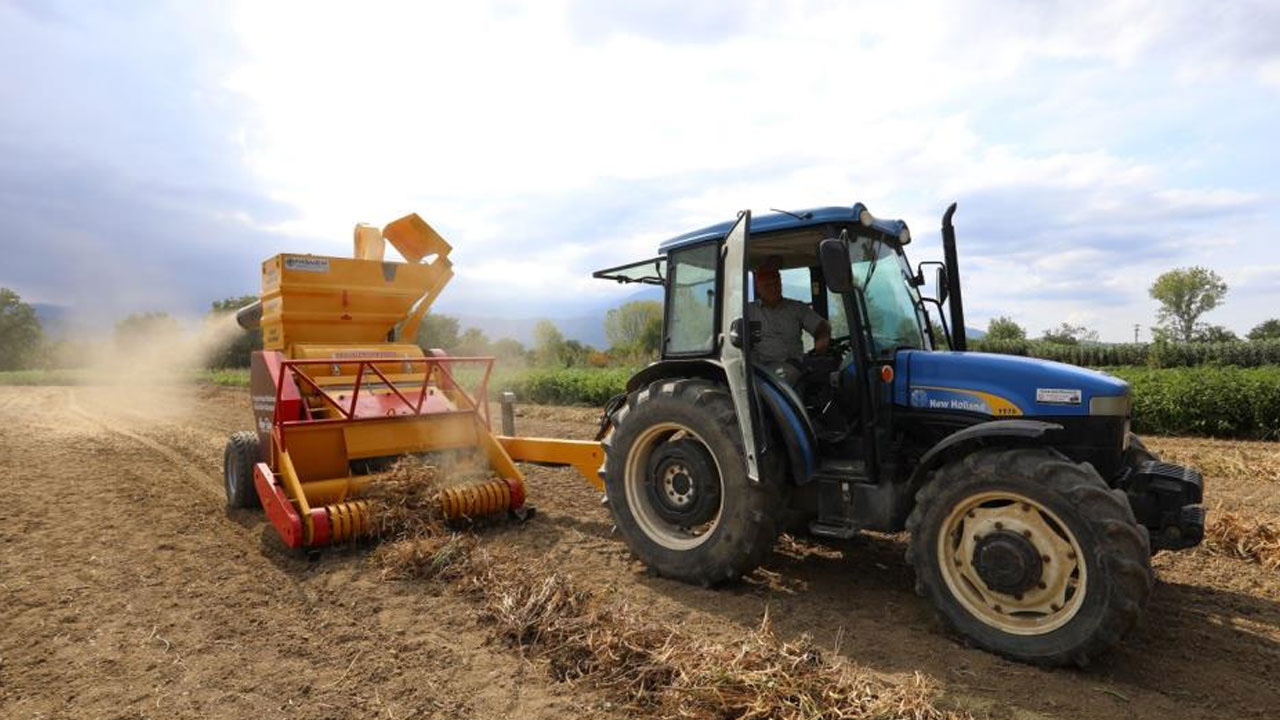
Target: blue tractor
(1032, 509)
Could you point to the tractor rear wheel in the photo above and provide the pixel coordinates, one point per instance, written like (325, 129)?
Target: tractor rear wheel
(677, 486)
(1030, 556)
(238, 458)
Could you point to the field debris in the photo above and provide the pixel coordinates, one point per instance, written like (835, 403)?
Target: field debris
(652, 668)
(1222, 460)
(1256, 541)
(418, 541)
(442, 557)
(404, 501)
(657, 669)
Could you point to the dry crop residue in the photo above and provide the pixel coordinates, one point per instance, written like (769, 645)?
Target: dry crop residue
(129, 592)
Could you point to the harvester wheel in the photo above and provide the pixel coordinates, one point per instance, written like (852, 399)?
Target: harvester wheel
(238, 459)
(676, 483)
(1030, 556)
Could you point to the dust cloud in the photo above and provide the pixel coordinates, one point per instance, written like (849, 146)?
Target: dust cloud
(150, 371)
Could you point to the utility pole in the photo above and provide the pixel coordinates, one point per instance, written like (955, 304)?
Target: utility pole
(1135, 331)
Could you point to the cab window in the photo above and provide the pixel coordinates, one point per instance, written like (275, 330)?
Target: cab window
(691, 300)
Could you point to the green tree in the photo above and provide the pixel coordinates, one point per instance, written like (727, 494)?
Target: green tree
(508, 349)
(139, 329)
(635, 327)
(548, 343)
(473, 343)
(238, 351)
(21, 336)
(1184, 295)
(574, 353)
(1214, 334)
(1004, 329)
(438, 331)
(1068, 334)
(1266, 330)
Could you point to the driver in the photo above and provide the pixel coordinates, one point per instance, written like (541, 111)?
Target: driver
(779, 349)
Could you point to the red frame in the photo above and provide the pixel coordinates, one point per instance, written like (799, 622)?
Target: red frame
(293, 367)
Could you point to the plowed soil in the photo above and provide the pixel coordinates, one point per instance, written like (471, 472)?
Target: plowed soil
(127, 591)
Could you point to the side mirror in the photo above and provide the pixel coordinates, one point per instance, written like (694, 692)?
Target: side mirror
(940, 281)
(836, 269)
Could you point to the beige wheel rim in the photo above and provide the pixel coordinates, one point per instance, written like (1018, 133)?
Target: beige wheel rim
(1037, 607)
(655, 527)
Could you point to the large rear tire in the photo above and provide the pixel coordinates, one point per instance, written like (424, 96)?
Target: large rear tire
(238, 458)
(676, 483)
(1030, 556)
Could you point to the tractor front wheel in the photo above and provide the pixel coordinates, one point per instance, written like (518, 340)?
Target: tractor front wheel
(238, 459)
(1030, 556)
(677, 486)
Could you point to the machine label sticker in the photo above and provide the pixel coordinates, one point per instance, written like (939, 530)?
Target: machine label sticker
(307, 264)
(1057, 396)
(962, 400)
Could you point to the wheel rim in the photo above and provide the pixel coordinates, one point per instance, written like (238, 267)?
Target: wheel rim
(985, 552)
(640, 495)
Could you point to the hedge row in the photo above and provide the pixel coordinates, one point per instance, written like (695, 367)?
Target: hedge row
(568, 386)
(1159, 355)
(1226, 402)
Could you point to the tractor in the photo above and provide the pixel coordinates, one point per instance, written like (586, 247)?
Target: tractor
(1032, 509)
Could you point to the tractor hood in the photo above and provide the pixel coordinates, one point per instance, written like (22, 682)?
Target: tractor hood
(1004, 385)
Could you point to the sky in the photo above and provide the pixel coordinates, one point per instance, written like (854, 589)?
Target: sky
(152, 154)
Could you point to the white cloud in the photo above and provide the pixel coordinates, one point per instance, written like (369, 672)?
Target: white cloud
(503, 123)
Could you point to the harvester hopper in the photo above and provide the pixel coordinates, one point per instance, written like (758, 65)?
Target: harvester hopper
(340, 389)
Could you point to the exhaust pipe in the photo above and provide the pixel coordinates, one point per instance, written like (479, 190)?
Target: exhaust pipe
(958, 339)
(249, 317)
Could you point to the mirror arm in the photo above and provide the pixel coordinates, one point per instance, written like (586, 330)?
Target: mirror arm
(942, 316)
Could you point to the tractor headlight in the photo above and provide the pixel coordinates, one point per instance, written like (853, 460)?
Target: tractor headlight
(1113, 405)
(866, 218)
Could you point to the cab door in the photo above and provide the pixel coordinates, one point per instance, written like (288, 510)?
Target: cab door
(735, 348)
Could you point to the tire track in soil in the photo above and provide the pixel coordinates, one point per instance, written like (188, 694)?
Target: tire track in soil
(195, 479)
(178, 611)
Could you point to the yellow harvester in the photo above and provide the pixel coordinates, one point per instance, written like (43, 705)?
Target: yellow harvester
(340, 387)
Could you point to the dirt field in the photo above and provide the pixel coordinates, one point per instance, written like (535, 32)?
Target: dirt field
(126, 591)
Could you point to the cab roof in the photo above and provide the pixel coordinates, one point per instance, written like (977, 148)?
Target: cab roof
(784, 221)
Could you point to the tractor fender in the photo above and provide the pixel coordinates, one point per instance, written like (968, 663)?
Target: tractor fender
(780, 404)
(700, 368)
(984, 434)
(791, 422)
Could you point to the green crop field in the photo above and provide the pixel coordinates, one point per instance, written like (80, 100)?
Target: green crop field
(1205, 400)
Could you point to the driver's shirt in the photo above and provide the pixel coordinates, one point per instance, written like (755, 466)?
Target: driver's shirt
(780, 329)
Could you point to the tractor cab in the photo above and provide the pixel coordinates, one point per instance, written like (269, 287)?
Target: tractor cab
(863, 288)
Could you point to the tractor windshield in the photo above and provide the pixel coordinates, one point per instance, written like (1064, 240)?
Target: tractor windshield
(893, 305)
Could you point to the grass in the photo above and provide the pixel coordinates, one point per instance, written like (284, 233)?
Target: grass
(234, 377)
(229, 377)
(46, 377)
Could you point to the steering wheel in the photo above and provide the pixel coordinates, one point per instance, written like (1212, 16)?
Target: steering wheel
(837, 346)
